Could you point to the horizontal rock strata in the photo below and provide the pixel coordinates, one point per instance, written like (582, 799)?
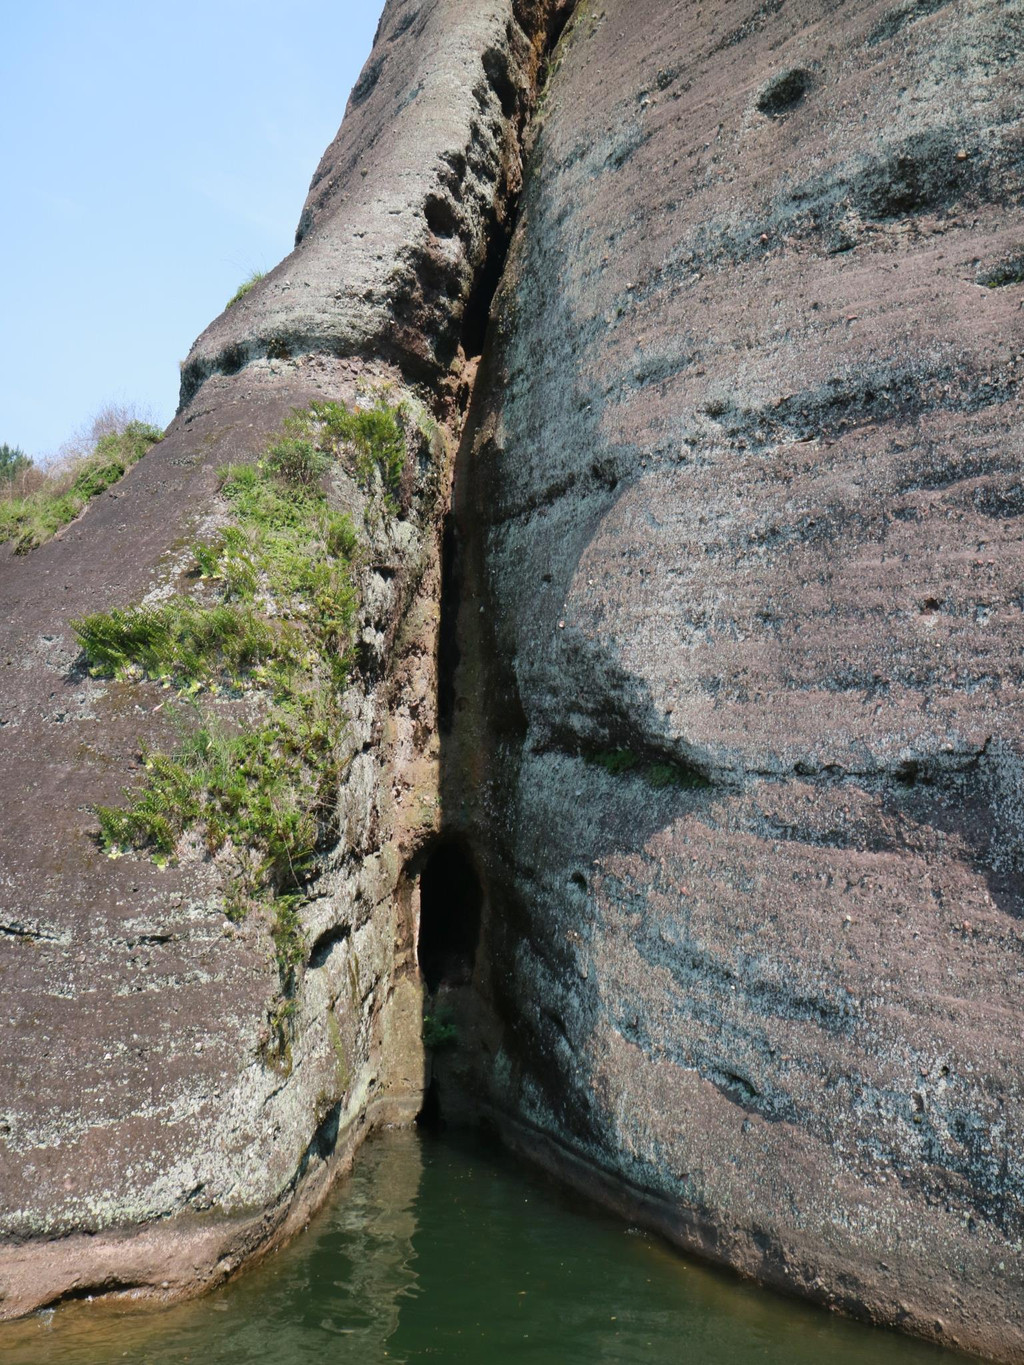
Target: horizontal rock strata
(713, 679)
(740, 639)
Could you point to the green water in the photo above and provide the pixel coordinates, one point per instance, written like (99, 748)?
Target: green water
(445, 1251)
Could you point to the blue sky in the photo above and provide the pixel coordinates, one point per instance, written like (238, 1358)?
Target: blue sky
(151, 155)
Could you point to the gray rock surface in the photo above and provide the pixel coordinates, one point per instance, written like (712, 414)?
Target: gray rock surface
(740, 639)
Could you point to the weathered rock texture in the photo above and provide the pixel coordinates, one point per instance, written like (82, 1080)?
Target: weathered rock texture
(740, 688)
(729, 710)
(149, 1139)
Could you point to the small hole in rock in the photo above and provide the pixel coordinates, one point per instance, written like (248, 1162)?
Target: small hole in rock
(441, 216)
(784, 92)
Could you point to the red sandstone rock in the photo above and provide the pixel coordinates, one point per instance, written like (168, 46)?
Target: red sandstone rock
(742, 514)
(148, 1144)
(731, 721)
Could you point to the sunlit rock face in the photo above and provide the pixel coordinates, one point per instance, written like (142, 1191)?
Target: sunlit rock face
(171, 1102)
(738, 717)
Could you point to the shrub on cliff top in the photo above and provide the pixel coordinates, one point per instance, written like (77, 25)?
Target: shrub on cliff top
(31, 517)
(13, 461)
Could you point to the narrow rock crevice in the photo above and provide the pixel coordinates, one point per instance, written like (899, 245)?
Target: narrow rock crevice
(448, 654)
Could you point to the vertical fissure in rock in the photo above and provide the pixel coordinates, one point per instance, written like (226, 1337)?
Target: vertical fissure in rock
(451, 892)
(447, 635)
(473, 341)
(545, 32)
(475, 325)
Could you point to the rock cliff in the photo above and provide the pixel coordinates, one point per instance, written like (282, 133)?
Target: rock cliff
(179, 1079)
(687, 746)
(740, 639)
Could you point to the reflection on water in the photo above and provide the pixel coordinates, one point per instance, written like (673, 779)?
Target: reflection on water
(445, 1250)
(334, 1294)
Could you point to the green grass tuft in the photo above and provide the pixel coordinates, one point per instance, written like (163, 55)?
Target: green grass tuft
(298, 462)
(440, 1031)
(266, 791)
(33, 519)
(245, 286)
(184, 643)
(373, 436)
(280, 630)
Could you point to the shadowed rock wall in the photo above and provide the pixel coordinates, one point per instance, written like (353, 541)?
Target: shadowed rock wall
(739, 698)
(150, 1141)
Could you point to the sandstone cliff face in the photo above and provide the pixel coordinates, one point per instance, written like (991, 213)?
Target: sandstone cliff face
(728, 715)
(740, 647)
(169, 1105)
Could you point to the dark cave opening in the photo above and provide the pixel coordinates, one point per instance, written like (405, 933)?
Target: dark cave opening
(450, 903)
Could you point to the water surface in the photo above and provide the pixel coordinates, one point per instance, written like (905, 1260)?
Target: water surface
(445, 1250)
